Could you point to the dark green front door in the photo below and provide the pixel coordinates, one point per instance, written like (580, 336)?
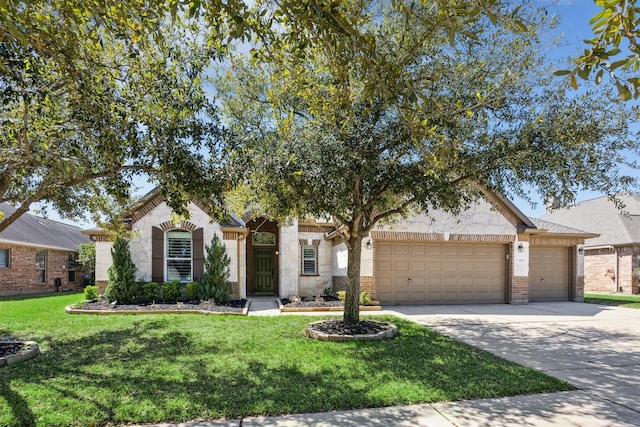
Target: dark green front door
(263, 270)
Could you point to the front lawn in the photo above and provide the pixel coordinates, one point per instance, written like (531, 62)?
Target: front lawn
(160, 368)
(630, 301)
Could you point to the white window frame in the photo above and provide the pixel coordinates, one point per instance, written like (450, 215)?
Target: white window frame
(7, 253)
(167, 258)
(41, 270)
(312, 257)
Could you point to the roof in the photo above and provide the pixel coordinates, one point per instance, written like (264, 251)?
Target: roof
(32, 230)
(617, 227)
(558, 228)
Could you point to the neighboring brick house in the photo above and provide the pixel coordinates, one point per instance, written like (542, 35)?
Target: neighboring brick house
(491, 253)
(35, 251)
(611, 258)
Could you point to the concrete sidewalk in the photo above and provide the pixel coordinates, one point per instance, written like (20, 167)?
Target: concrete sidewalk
(595, 348)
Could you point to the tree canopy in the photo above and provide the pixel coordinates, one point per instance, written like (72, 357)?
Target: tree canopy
(92, 95)
(378, 109)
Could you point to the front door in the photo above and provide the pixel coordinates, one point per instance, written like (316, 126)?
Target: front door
(264, 270)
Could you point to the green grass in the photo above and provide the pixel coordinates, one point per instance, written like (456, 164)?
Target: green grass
(630, 301)
(160, 368)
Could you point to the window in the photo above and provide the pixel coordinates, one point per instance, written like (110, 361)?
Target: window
(4, 258)
(178, 255)
(309, 257)
(72, 268)
(41, 265)
(263, 238)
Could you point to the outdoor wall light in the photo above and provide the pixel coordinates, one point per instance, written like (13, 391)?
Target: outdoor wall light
(369, 244)
(581, 251)
(520, 247)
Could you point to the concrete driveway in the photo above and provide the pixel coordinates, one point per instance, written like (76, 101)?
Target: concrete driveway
(596, 348)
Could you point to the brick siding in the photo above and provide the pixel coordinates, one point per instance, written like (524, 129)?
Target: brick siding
(22, 277)
(601, 266)
(519, 290)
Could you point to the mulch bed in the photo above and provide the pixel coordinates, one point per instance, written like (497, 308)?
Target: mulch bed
(235, 306)
(317, 301)
(10, 348)
(339, 327)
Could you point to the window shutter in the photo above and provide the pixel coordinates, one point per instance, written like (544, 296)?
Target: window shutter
(198, 254)
(157, 254)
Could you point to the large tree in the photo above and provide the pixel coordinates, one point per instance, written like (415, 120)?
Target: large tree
(368, 110)
(95, 93)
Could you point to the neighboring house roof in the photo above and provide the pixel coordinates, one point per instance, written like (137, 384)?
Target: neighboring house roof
(617, 227)
(558, 228)
(31, 230)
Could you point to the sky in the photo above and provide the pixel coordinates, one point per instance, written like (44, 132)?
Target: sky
(574, 27)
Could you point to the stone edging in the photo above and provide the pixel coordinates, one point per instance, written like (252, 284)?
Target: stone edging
(391, 332)
(285, 309)
(31, 351)
(245, 311)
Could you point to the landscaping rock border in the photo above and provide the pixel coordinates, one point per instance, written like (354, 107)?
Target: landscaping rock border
(245, 311)
(391, 331)
(30, 351)
(284, 309)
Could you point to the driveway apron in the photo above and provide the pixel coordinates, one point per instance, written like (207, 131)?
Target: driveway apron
(596, 348)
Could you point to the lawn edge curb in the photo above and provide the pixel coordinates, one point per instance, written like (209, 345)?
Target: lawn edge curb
(245, 311)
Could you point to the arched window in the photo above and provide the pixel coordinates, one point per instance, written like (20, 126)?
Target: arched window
(178, 255)
(263, 238)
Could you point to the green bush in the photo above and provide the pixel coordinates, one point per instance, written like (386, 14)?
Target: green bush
(192, 291)
(150, 291)
(91, 293)
(171, 291)
(342, 295)
(122, 285)
(365, 298)
(214, 283)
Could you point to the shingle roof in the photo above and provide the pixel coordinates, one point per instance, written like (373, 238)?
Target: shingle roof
(31, 230)
(600, 215)
(552, 227)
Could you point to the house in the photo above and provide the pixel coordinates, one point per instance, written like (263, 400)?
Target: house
(610, 259)
(491, 253)
(35, 251)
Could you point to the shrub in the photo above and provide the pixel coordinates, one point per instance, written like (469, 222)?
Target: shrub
(192, 291)
(214, 283)
(171, 291)
(122, 285)
(342, 295)
(150, 291)
(365, 298)
(91, 293)
(328, 291)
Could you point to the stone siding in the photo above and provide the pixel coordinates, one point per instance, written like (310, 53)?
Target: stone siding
(21, 275)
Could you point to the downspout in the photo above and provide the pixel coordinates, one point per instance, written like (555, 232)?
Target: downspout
(617, 281)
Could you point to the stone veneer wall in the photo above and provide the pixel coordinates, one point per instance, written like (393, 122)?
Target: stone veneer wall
(21, 275)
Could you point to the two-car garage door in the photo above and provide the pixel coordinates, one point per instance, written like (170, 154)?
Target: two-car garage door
(439, 273)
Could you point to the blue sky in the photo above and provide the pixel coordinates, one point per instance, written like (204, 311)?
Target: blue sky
(574, 26)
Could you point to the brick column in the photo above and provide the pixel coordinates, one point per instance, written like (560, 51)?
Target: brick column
(519, 272)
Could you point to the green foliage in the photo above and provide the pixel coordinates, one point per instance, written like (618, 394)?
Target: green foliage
(87, 257)
(342, 295)
(170, 291)
(93, 96)
(150, 291)
(365, 298)
(214, 283)
(91, 293)
(615, 50)
(192, 291)
(328, 291)
(122, 285)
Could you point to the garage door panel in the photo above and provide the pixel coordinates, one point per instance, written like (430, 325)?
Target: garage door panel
(440, 273)
(549, 274)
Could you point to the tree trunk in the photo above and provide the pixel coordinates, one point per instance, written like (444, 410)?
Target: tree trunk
(352, 299)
